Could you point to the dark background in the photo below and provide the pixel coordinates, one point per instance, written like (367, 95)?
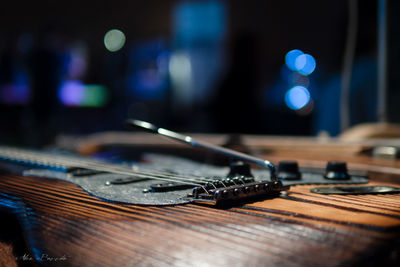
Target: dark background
(236, 53)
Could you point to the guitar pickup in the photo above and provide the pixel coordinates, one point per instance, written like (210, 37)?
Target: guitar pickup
(79, 172)
(167, 187)
(126, 180)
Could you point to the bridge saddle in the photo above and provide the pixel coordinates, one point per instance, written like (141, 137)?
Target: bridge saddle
(250, 189)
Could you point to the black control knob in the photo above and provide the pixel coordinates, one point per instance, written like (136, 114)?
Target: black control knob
(336, 170)
(289, 170)
(239, 168)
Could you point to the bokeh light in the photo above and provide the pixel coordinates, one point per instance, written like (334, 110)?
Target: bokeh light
(76, 93)
(296, 60)
(114, 40)
(95, 96)
(18, 91)
(297, 97)
(290, 58)
(71, 93)
(180, 69)
(305, 64)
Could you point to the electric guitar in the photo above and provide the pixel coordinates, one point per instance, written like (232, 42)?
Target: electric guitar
(169, 211)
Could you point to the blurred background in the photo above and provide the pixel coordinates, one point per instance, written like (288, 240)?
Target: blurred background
(257, 67)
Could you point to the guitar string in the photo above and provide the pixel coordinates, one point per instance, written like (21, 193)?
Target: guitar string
(66, 161)
(41, 158)
(62, 160)
(105, 166)
(130, 172)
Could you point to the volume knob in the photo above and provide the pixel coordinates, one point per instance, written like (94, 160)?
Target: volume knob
(289, 170)
(336, 170)
(239, 168)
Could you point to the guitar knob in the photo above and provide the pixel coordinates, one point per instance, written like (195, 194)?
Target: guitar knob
(239, 168)
(336, 170)
(289, 170)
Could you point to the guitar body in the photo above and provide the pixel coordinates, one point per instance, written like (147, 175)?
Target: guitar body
(64, 225)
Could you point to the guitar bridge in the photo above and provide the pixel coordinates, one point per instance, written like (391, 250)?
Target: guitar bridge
(238, 193)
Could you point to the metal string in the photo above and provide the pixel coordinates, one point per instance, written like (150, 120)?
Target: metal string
(60, 161)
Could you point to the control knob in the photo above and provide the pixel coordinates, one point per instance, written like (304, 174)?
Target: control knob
(289, 170)
(336, 170)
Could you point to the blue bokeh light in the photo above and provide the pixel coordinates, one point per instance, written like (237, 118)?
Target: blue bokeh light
(305, 64)
(297, 97)
(199, 21)
(290, 58)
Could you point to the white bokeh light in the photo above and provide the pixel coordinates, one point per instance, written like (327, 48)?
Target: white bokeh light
(114, 40)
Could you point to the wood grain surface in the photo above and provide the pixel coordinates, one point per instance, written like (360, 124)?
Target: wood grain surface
(63, 225)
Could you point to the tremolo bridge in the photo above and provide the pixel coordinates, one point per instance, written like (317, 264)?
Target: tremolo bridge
(238, 192)
(225, 190)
